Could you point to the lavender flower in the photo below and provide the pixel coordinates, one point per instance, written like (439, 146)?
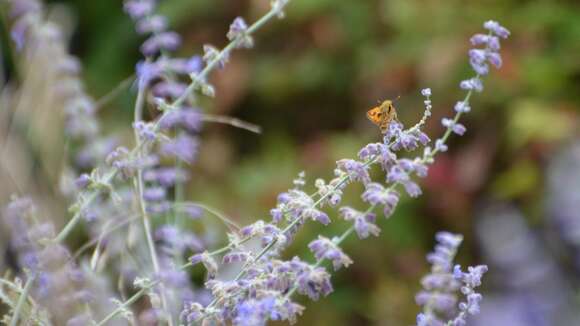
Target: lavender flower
(324, 248)
(470, 281)
(496, 29)
(238, 33)
(166, 41)
(264, 283)
(139, 8)
(457, 128)
(356, 171)
(376, 194)
(184, 147)
(364, 223)
(438, 297)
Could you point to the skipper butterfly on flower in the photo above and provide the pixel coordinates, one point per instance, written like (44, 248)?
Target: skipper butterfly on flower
(383, 115)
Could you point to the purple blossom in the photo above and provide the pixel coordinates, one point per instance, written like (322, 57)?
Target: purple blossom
(188, 118)
(145, 130)
(83, 181)
(168, 89)
(22, 7)
(331, 191)
(192, 210)
(236, 257)
(376, 194)
(19, 31)
(238, 32)
(316, 215)
(237, 28)
(356, 171)
(208, 262)
(445, 251)
(385, 157)
(492, 42)
(165, 176)
(438, 296)
(192, 311)
(163, 41)
(440, 145)
(266, 232)
(187, 66)
(314, 282)
(462, 107)
(139, 8)
(255, 312)
(495, 59)
(297, 204)
(146, 72)
(364, 223)
(153, 24)
(324, 248)
(183, 147)
(454, 126)
(470, 280)
(412, 189)
(211, 53)
(442, 302)
(397, 174)
(472, 84)
(496, 28)
(178, 240)
(154, 194)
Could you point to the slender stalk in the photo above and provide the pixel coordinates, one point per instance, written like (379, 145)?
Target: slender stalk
(112, 94)
(86, 201)
(22, 299)
(142, 205)
(102, 236)
(234, 122)
(134, 298)
(226, 220)
(126, 304)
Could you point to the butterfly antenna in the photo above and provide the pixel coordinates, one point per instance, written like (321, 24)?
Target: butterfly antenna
(396, 99)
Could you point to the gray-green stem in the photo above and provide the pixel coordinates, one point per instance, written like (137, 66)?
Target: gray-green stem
(22, 299)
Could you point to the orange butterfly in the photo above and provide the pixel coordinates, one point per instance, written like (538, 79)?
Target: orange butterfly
(382, 115)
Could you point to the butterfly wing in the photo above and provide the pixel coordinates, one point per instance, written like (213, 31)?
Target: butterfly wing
(375, 115)
(389, 114)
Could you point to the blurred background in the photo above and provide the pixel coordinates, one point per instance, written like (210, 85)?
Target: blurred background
(511, 185)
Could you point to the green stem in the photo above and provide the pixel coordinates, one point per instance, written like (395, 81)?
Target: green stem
(134, 298)
(126, 304)
(22, 299)
(142, 205)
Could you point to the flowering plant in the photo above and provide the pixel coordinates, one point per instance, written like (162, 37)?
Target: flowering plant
(142, 187)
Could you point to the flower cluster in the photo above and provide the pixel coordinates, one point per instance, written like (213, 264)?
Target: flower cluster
(59, 286)
(32, 33)
(295, 207)
(438, 297)
(145, 183)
